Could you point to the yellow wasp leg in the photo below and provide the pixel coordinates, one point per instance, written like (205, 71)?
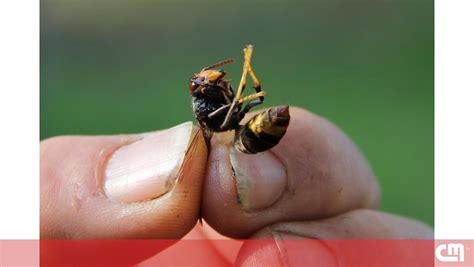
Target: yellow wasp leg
(242, 100)
(248, 50)
(251, 97)
(254, 78)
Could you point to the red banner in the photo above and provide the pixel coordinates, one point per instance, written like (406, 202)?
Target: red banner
(232, 252)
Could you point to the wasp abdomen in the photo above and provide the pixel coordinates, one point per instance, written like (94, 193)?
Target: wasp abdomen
(263, 131)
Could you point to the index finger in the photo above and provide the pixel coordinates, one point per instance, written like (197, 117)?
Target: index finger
(315, 172)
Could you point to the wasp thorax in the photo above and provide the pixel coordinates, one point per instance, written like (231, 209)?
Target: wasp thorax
(263, 131)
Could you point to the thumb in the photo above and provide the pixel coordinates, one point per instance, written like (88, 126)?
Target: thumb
(123, 186)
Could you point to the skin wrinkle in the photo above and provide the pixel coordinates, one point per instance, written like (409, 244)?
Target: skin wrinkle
(312, 237)
(97, 172)
(50, 185)
(55, 187)
(282, 252)
(104, 155)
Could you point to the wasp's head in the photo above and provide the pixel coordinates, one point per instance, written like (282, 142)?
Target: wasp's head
(208, 75)
(204, 78)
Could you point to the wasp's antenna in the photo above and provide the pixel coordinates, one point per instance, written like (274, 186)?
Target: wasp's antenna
(224, 62)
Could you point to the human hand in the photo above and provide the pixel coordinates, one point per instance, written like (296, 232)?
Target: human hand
(314, 184)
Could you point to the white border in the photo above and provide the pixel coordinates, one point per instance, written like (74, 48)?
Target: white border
(19, 111)
(19, 107)
(454, 113)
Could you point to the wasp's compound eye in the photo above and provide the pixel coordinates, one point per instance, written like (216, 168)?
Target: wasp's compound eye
(194, 83)
(193, 86)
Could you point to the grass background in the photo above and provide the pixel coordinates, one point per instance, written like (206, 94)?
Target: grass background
(112, 67)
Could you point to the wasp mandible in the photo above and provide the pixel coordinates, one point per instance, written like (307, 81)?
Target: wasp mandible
(218, 108)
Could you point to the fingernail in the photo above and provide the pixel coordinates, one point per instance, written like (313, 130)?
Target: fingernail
(260, 178)
(296, 250)
(147, 168)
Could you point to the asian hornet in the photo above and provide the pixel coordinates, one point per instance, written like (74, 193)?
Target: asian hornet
(218, 108)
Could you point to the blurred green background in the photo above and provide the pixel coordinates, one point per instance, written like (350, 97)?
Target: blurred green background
(112, 67)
